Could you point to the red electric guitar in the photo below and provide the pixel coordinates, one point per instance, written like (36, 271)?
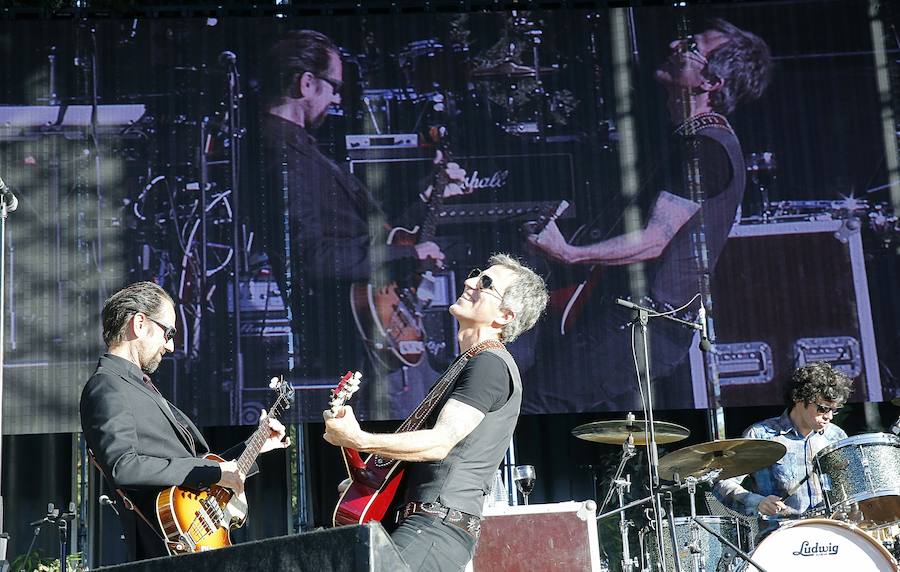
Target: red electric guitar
(374, 482)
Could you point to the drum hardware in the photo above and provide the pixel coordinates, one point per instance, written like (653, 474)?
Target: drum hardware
(761, 167)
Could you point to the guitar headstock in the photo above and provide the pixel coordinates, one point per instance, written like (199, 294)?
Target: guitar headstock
(284, 390)
(346, 387)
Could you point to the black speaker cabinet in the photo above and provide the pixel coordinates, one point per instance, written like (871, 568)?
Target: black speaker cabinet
(787, 294)
(362, 548)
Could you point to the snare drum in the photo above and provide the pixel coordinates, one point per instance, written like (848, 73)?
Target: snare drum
(822, 545)
(714, 554)
(862, 472)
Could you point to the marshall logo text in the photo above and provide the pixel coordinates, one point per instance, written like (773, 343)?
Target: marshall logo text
(807, 549)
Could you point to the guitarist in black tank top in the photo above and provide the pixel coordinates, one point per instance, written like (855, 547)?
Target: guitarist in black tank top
(705, 76)
(450, 462)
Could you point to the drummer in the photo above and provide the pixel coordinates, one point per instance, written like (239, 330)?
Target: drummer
(788, 488)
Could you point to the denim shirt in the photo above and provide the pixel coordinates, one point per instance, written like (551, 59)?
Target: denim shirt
(777, 479)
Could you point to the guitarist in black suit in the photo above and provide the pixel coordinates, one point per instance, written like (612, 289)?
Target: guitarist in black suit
(325, 231)
(142, 442)
(451, 461)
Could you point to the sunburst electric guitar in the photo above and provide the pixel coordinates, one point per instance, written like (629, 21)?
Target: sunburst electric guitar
(193, 521)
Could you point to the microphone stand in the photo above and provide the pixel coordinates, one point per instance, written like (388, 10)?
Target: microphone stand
(643, 318)
(7, 203)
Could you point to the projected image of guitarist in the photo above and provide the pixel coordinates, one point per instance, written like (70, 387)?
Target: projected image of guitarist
(447, 451)
(327, 232)
(705, 76)
(143, 443)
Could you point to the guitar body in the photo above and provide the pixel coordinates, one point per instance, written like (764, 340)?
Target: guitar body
(567, 302)
(373, 489)
(193, 521)
(391, 313)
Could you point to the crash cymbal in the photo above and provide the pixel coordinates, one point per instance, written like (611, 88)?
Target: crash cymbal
(734, 456)
(509, 69)
(616, 432)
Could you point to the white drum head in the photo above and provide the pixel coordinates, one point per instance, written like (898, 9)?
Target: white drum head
(824, 546)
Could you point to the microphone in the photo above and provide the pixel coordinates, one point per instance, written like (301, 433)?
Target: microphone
(705, 344)
(104, 500)
(12, 203)
(227, 58)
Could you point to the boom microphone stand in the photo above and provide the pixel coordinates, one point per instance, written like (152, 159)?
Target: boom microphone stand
(643, 318)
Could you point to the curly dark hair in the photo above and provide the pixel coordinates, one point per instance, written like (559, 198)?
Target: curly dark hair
(743, 63)
(144, 297)
(819, 380)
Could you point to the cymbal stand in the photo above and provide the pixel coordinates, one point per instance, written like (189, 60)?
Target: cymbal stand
(693, 545)
(643, 318)
(621, 486)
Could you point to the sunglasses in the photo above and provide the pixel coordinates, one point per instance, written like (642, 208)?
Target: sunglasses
(824, 409)
(688, 47)
(485, 283)
(169, 332)
(337, 86)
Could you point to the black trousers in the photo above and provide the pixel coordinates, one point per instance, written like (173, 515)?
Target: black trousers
(431, 545)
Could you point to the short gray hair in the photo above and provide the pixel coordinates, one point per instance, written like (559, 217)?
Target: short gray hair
(144, 297)
(743, 63)
(526, 297)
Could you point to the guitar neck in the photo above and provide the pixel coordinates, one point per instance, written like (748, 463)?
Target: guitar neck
(256, 441)
(436, 201)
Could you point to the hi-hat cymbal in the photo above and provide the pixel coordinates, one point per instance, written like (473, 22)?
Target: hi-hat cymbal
(510, 69)
(616, 432)
(734, 456)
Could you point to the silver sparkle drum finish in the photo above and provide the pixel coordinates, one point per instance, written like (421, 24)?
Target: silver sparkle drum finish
(862, 473)
(712, 552)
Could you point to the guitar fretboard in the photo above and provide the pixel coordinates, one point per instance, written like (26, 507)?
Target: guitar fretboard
(256, 441)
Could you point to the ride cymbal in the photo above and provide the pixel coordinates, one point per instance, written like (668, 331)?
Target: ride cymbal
(734, 456)
(616, 432)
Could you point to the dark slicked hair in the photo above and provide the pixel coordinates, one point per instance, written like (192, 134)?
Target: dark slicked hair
(743, 63)
(298, 51)
(819, 380)
(144, 297)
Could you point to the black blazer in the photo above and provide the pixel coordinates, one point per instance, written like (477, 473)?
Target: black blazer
(141, 446)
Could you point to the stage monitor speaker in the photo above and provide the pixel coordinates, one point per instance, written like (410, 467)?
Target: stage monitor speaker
(362, 548)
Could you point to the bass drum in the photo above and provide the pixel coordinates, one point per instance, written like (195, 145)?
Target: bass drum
(822, 545)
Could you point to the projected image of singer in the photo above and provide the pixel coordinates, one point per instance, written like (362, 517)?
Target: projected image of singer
(785, 490)
(142, 442)
(705, 76)
(324, 219)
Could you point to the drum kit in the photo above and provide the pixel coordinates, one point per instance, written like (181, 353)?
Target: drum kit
(857, 526)
(507, 83)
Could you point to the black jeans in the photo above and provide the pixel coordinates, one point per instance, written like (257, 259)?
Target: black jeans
(430, 545)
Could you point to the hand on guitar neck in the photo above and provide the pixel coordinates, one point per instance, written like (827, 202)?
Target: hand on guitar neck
(551, 242)
(232, 478)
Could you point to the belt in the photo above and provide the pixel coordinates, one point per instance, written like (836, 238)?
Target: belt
(469, 523)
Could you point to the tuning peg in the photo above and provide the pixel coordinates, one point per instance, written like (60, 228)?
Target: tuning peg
(273, 383)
